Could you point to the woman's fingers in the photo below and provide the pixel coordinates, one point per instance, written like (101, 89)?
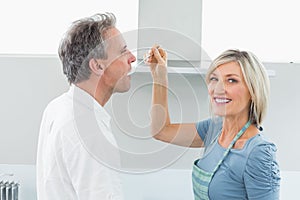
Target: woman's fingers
(156, 59)
(159, 54)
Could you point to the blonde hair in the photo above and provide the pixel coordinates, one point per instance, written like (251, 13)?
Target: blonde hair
(256, 79)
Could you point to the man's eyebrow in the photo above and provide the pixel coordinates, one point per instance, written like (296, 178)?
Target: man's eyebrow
(124, 47)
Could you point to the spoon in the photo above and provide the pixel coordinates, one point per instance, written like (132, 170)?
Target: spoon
(133, 68)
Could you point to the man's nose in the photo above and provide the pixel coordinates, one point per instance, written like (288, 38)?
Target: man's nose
(132, 58)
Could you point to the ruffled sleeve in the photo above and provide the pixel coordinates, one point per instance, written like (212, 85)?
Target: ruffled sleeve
(262, 176)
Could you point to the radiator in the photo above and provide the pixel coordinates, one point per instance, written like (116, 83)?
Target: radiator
(9, 190)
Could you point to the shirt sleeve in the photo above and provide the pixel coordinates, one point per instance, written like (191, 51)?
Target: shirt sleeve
(209, 128)
(202, 128)
(262, 176)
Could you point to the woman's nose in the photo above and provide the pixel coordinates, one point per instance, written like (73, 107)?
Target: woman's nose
(219, 87)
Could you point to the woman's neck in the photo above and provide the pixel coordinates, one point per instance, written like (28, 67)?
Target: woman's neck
(232, 125)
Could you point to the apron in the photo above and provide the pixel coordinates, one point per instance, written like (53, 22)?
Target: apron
(201, 178)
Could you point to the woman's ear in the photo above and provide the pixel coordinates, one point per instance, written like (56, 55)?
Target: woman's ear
(96, 67)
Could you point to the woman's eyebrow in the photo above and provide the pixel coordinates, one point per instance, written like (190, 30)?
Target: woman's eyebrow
(237, 75)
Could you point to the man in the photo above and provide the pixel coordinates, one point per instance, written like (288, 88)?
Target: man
(77, 154)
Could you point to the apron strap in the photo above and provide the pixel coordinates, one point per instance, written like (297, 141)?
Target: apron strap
(238, 135)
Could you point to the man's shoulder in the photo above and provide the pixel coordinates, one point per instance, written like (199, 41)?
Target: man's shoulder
(58, 102)
(58, 112)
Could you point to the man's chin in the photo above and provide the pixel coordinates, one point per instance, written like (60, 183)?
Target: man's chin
(122, 89)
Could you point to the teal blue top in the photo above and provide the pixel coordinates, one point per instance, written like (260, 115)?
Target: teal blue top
(248, 173)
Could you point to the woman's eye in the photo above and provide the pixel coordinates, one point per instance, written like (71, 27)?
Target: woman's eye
(213, 79)
(232, 80)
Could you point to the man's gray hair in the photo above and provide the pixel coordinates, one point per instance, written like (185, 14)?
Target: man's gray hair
(82, 42)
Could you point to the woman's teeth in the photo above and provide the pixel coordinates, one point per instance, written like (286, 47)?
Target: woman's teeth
(219, 100)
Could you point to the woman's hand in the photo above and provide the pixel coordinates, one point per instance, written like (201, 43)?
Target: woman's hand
(157, 60)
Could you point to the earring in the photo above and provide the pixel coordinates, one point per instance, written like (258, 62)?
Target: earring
(252, 114)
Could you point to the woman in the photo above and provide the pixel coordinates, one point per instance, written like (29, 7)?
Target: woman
(238, 162)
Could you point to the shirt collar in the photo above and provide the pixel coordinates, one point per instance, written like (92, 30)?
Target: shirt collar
(86, 100)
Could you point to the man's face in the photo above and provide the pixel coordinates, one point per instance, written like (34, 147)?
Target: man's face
(118, 63)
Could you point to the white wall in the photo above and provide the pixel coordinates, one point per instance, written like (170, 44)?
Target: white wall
(27, 85)
(268, 28)
(161, 185)
(282, 121)
(36, 27)
(31, 82)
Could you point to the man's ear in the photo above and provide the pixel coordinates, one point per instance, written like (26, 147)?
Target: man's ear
(96, 67)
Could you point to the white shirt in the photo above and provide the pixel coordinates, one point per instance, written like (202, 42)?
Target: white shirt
(77, 153)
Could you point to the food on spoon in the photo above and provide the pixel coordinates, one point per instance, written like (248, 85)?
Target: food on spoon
(152, 58)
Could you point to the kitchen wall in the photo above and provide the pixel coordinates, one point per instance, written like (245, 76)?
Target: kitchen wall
(29, 83)
(160, 185)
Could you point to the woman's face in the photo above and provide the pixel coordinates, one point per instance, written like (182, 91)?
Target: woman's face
(228, 91)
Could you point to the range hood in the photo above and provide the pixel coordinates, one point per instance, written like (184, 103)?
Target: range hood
(176, 26)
